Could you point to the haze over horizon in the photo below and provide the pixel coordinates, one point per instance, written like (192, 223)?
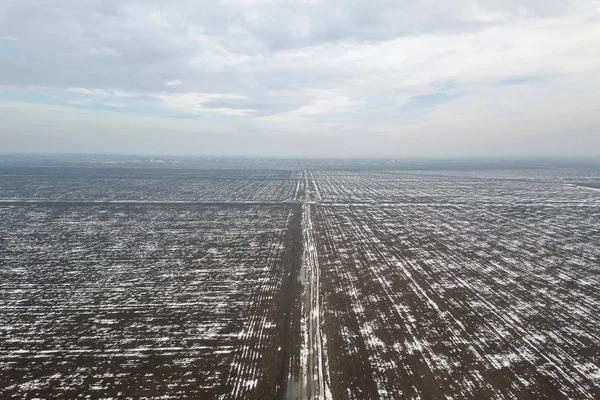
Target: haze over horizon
(321, 78)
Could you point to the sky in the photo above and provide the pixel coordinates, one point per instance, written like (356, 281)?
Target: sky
(339, 78)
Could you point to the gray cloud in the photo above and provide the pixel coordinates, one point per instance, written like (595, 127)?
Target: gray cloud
(341, 68)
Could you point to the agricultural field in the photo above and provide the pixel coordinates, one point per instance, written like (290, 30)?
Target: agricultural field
(305, 279)
(169, 301)
(150, 182)
(458, 284)
(176, 188)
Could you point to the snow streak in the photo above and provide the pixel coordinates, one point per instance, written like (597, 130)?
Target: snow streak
(313, 382)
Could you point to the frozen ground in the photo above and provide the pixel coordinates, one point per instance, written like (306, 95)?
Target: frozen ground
(235, 279)
(463, 284)
(143, 300)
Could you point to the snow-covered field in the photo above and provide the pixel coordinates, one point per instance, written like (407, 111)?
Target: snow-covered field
(463, 285)
(301, 280)
(143, 300)
(128, 184)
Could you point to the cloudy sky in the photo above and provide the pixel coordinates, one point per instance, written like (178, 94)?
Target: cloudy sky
(301, 78)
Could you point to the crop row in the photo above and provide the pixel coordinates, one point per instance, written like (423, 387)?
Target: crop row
(131, 300)
(466, 299)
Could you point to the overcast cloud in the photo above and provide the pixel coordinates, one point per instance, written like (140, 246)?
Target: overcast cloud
(291, 78)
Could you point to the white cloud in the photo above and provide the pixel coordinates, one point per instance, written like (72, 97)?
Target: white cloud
(347, 67)
(195, 103)
(327, 106)
(88, 92)
(93, 92)
(79, 102)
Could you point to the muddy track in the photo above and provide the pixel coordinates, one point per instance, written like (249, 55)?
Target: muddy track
(310, 377)
(290, 339)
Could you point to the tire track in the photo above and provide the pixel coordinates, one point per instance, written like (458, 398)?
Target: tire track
(312, 383)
